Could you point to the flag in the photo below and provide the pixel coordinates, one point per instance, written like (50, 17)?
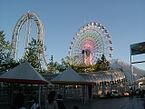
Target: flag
(138, 48)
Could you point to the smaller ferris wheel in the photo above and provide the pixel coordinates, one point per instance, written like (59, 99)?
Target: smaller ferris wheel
(89, 44)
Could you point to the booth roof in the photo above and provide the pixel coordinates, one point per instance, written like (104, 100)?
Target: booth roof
(23, 73)
(69, 76)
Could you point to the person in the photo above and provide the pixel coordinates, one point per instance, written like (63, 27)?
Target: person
(18, 102)
(35, 104)
(60, 102)
(51, 102)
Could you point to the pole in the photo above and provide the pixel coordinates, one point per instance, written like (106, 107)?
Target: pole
(132, 76)
(111, 82)
(39, 96)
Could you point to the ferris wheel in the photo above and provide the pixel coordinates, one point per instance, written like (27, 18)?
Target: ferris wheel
(89, 44)
(29, 20)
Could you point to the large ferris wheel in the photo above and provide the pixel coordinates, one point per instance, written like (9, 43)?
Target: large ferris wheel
(29, 20)
(89, 44)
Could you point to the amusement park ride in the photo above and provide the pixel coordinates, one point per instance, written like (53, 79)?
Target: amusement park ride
(26, 20)
(90, 43)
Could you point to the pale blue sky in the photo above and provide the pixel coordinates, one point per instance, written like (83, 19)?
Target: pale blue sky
(124, 19)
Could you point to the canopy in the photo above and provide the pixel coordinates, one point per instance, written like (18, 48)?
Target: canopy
(103, 76)
(69, 76)
(23, 73)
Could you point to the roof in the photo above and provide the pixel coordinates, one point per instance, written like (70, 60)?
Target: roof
(69, 76)
(23, 73)
(103, 76)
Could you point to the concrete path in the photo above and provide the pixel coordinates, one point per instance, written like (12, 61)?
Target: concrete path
(115, 103)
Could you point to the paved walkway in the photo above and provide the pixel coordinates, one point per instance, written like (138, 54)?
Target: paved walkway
(115, 103)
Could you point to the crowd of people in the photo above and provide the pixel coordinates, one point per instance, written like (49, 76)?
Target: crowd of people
(51, 102)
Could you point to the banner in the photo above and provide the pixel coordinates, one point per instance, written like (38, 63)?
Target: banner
(138, 48)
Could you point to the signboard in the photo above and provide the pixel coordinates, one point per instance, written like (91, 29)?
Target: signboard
(138, 48)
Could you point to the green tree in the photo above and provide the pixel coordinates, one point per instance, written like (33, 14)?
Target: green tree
(52, 66)
(7, 66)
(6, 62)
(31, 55)
(79, 68)
(4, 49)
(55, 67)
(65, 63)
(102, 64)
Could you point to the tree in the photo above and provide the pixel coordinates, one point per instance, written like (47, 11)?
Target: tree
(102, 64)
(79, 68)
(4, 49)
(31, 54)
(65, 63)
(6, 62)
(54, 67)
(7, 66)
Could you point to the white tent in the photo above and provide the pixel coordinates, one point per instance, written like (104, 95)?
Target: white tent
(23, 73)
(69, 76)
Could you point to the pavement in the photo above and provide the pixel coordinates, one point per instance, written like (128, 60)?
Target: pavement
(109, 103)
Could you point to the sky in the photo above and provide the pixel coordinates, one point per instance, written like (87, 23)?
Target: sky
(124, 19)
